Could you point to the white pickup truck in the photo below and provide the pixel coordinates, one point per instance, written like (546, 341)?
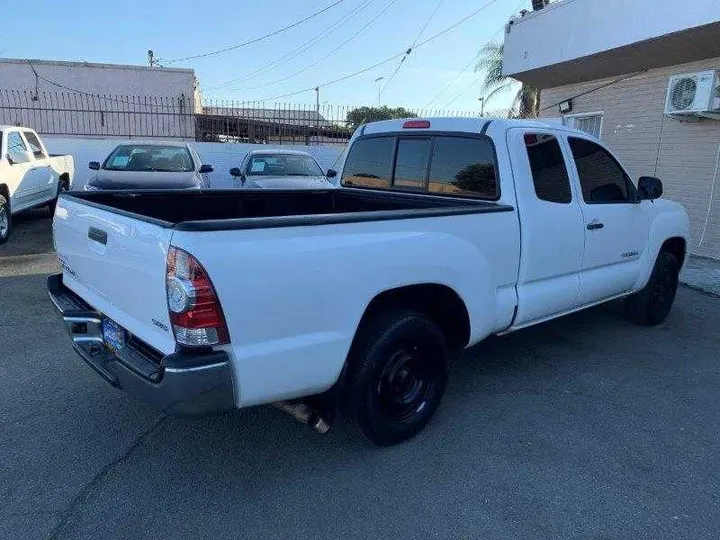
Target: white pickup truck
(29, 176)
(445, 232)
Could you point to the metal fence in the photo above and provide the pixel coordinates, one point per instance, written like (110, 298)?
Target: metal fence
(182, 117)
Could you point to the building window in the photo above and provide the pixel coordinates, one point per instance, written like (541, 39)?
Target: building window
(588, 123)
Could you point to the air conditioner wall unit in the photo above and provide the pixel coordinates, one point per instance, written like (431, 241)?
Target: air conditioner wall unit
(694, 94)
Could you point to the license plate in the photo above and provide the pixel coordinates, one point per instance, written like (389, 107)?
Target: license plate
(113, 334)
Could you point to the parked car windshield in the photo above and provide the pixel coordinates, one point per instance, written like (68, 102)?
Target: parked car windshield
(282, 165)
(149, 158)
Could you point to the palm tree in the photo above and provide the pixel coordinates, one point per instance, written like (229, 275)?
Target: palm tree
(527, 100)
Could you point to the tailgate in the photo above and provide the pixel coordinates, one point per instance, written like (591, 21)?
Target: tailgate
(116, 263)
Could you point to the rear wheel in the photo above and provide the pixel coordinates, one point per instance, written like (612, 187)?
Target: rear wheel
(5, 219)
(652, 304)
(396, 377)
(62, 187)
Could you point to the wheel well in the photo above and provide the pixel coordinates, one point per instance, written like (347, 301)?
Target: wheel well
(5, 191)
(676, 246)
(439, 303)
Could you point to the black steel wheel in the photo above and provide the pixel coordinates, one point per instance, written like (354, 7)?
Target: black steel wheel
(652, 304)
(396, 376)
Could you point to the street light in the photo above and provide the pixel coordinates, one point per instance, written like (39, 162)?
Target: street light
(378, 81)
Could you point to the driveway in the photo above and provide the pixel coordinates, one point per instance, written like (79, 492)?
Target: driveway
(586, 427)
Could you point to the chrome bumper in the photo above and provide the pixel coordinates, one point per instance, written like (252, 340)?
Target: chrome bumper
(182, 383)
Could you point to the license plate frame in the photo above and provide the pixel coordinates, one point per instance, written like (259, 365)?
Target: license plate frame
(114, 335)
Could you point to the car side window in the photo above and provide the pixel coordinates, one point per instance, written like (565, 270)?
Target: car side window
(17, 151)
(548, 169)
(369, 163)
(35, 146)
(602, 179)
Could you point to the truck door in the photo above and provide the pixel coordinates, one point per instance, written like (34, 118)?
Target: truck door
(616, 227)
(22, 184)
(47, 178)
(551, 223)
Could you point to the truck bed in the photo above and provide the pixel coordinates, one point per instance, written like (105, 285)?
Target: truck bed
(249, 209)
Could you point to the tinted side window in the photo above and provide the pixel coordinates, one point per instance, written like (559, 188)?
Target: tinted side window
(463, 166)
(16, 148)
(601, 177)
(411, 163)
(35, 146)
(369, 163)
(548, 168)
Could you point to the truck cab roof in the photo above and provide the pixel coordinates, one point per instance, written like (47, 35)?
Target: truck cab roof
(468, 125)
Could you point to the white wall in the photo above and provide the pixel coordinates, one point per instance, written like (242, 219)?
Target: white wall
(572, 29)
(222, 156)
(109, 79)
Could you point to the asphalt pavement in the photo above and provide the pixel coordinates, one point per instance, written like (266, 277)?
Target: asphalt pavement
(586, 427)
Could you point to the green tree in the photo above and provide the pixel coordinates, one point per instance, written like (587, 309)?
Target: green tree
(527, 99)
(363, 115)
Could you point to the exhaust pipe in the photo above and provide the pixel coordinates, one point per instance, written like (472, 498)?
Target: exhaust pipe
(302, 413)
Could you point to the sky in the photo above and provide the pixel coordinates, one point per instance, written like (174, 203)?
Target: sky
(437, 75)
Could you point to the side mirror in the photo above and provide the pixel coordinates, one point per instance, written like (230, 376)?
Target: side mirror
(331, 173)
(94, 165)
(649, 188)
(235, 171)
(205, 169)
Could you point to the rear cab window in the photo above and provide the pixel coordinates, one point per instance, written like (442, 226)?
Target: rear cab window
(456, 164)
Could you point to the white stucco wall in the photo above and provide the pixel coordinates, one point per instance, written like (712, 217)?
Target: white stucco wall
(571, 29)
(109, 79)
(222, 156)
(97, 99)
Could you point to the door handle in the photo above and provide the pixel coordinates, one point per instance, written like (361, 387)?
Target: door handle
(98, 235)
(594, 225)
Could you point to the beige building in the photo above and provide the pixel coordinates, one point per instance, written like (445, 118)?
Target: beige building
(609, 68)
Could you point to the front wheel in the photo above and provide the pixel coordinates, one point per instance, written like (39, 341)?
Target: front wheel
(651, 305)
(5, 219)
(396, 376)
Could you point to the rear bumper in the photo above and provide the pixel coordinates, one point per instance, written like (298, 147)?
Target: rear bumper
(181, 383)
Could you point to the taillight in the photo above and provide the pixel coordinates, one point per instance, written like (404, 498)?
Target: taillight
(195, 313)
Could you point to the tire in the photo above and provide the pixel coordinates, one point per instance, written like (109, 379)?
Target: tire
(5, 219)
(62, 187)
(651, 305)
(397, 371)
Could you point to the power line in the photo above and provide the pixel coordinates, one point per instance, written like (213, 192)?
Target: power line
(615, 81)
(255, 40)
(472, 60)
(407, 53)
(274, 64)
(98, 96)
(389, 59)
(460, 73)
(333, 51)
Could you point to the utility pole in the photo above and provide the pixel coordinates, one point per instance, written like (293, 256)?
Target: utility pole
(317, 112)
(481, 99)
(378, 81)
